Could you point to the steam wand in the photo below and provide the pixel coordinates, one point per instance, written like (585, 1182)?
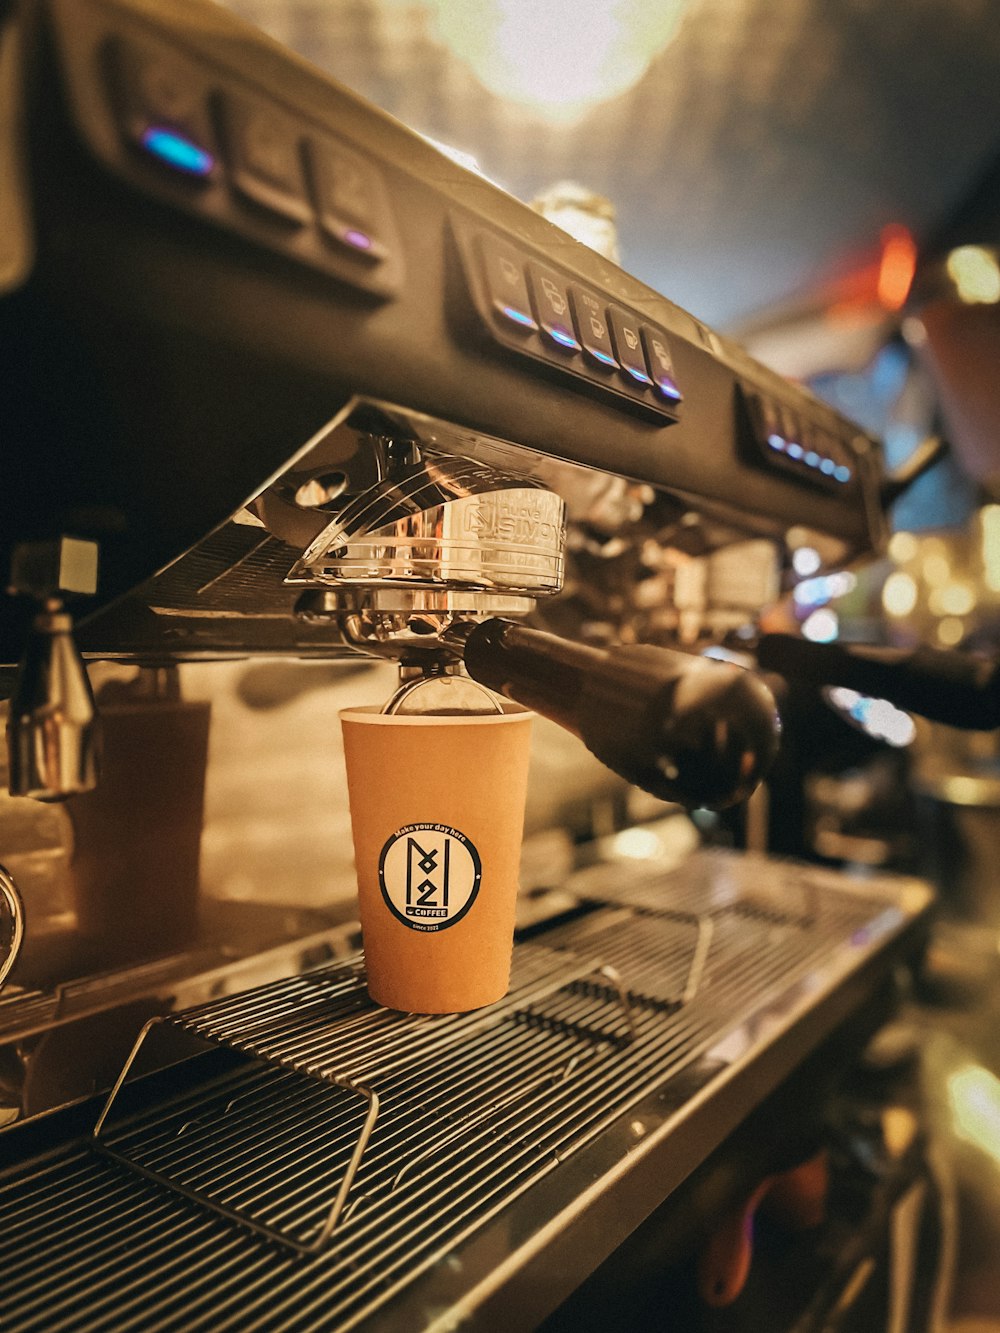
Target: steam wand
(52, 734)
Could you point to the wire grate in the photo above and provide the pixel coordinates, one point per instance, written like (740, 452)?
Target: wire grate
(474, 1111)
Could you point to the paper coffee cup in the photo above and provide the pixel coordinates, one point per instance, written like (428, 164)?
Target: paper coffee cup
(437, 812)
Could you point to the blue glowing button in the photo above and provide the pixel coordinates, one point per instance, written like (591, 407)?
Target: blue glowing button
(265, 158)
(592, 327)
(660, 364)
(776, 442)
(503, 270)
(827, 466)
(811, 458)
(794, 450)
(551, 302)
(176, 150)
(163, 108)
(842, 473)
(628, 346)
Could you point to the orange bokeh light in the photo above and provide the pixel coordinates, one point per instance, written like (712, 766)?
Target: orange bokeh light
(897, 266)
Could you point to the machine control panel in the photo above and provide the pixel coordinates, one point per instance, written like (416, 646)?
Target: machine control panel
(776, 438)
(530, 307)
(229, 154)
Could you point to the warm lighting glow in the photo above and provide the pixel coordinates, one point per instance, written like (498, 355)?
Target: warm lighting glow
(950, 631)
(913, 331)
(975, 273)
(974, 1097)
(822, 626)
(899, 594)
(459, 155)
(637, 844)
(903, 546)
(806, 561)
(936, 569)
(990, 522)
(588, 217)
(897, 266)
(558, 57)
(953, 599)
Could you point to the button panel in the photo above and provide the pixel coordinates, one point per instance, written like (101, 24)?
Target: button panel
(628, 345)
(506, 283)
(592, 327)
(778, 440)
(164, 111)
(660, 363)
(551, 303)
(532, 308)
(265, 158)
(258, 169)
(349, 198)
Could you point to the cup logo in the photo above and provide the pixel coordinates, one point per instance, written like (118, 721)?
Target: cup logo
(429, 875)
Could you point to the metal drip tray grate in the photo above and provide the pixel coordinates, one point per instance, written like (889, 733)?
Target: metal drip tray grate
(329, 1041)
(475, 1112)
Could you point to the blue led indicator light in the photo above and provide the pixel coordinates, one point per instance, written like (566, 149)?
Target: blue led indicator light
(603, 357)
(795, 450)
(519, 317)
(776, 441)
(358, 239)
(668, 388)
(639, 375)
(177, 151)
(842, 473)
(564, 339)
(827, 466)
(811, 459)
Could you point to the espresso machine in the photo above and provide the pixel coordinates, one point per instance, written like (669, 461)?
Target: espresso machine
(283, 381)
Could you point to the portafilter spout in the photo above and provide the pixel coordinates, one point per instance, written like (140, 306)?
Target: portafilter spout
(684, 728)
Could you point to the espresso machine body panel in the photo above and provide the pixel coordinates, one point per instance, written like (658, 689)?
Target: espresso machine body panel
(217, 249)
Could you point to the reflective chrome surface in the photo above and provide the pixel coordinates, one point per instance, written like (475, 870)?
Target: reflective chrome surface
(444, 523)
(14, 933)
(52, 731)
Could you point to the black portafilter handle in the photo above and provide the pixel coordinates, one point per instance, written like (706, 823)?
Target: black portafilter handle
(958, 688)
(684, 728)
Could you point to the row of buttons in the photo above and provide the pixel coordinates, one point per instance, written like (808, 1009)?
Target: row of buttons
(805, 450)
(530, 298)
(168, 110)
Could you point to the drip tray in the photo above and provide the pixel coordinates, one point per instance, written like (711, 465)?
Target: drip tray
(341, 1165)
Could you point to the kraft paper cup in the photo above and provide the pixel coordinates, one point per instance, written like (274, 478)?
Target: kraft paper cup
(437, 812)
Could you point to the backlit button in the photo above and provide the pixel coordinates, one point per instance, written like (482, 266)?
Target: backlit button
(351, 207)
(660, 364)
(265, 161)
(552, 307)
(164, 109)
(628, 345)
(592, 327)
(508, 291)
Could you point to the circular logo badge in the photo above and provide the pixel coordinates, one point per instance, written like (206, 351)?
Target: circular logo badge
(429, 875)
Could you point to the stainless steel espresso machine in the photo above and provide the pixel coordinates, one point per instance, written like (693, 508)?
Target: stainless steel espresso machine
(281, 380)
